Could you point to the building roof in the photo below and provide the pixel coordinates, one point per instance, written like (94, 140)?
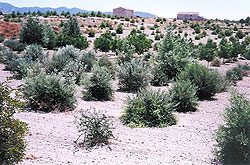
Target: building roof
(190, 13)
(123, 8)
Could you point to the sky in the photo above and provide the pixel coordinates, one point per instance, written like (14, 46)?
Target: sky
(211, 9)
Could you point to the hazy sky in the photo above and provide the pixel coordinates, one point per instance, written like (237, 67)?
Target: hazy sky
(222, 9)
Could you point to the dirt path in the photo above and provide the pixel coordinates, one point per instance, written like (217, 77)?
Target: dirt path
(51, 136)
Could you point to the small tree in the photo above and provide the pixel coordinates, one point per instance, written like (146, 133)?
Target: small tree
(32, 32)
(208, 51)
(240, 34)
(71, 28)
(103, 43)
(233, 138)
(119, 29)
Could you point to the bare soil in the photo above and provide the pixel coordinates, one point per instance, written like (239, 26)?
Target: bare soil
(51, 135)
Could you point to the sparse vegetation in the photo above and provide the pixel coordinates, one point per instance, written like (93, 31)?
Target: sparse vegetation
(149, 109)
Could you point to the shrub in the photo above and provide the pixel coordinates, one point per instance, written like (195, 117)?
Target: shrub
(142, 28)
(91, 33)
(133, 76)
(240, 34)
(12, 130)
(7, 57)
(157, 37)
(208, 82)
(32, 32)
(119, 29)
(79, 42)
(216, 62)
(247, 54)
(1, 38)
(95, 127)
(87, 59)
(149, 109)
(50, 38)
(35, 52)
(71, 28)
(99, 86)
(49, 93)
(233, 138)
(105, 62)
(228, 32)
(183, 95)
(15, 45)
(235, 74)
(61, 59)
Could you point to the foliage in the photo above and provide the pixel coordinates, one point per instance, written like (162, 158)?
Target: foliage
(208, 51)
(183, 95)
(91, 33)
(87, 59)
(49, 92)
(105, 62)
(228, 32)
(133, 76)
(12, 130)
(35, 52)
(208, 82)
(71, 28)
(224, 49)
(240, 34)
(174, 53)
(119, 29)
(233, 138)
(79, 42)
(104, 42)
(235, 74)
(149, 109)
(140, 42)
(32, 32)
(50, 38)
(61, 58)
(15, 45)
(99, 86)
(95, 127)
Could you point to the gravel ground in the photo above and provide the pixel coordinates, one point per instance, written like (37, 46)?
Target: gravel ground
(51, 135)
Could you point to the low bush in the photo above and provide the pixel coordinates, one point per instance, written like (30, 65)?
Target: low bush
(61, 59)
(208, 82)
(235, 74)
(216, 62)
(12, 130)
(35, 52)
(105, 62)
(87, 59)
(149, 109)
(96, 128)
(15, 45)
(183, 95)
(99, 86)
(233, 138)
(133, 76)
(91, 33)
(47, 93)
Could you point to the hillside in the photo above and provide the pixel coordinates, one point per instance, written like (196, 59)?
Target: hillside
(8, 8)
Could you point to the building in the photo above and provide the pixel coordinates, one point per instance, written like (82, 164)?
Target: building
(124, 12)
(192, 16)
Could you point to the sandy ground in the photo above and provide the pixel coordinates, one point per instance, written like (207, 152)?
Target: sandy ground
(51, 135)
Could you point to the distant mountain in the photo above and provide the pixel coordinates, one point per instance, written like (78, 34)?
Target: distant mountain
(7, 8)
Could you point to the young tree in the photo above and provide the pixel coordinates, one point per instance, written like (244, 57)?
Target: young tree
(32, 32)
(224, 49)
(208, 51)
(119, 29)
(103, 43)
(71, 28)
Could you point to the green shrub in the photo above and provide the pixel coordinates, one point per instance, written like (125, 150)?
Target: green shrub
(235, 74)
(7, 57)
(247, 54)
(87, 59)
(208, 82)
(15, 45)
(91, 33)
(35, 52)
(12, 130)
(142, 28)
(99, 86)
(61, 58)
(79, 42)
(233, 138)
(32, 32)
(105, 62)
(183, 95)
(149, 109)
(119, 29)
(95, 127)
(133, 76)
(1, 38)
(49, 93)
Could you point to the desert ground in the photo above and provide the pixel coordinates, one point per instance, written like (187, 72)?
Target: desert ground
(51, 135)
